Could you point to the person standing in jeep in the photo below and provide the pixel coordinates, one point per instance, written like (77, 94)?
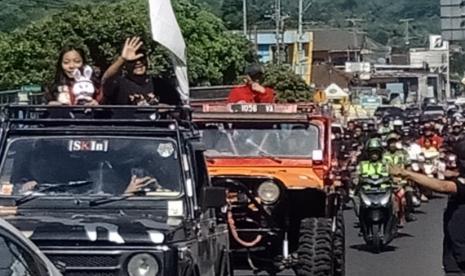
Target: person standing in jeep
(136, 86)
(252, 91)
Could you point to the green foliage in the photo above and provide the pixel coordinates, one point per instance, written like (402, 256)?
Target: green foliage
(289, 87)
(29, 55)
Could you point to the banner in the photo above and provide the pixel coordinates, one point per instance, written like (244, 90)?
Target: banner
(166, 32)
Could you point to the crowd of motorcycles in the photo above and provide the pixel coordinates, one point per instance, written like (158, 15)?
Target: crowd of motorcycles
(382, 203)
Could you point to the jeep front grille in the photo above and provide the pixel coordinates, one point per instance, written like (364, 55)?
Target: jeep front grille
(87, 273)
(85, 263)
(86, 260)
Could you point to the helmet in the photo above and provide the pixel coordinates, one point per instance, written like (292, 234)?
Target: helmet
(392, 138)
(456, 123)
(374, 144)
(398, 123)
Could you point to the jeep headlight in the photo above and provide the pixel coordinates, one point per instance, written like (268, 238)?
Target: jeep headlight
(143, 265)
(268, 192)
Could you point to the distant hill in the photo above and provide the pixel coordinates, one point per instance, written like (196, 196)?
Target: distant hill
(18, 13)
(381, 17)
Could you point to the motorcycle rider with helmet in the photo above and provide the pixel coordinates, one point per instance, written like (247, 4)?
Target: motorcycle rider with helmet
(396, 155)
(371, 166)
(385, 129)
(429, 135)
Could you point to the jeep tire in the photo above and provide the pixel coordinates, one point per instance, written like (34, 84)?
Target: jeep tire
(339, 245)
(315, 250)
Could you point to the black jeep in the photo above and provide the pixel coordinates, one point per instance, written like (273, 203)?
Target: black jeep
(112, 190)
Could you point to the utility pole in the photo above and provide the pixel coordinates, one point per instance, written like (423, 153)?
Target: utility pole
(355, 31)
(407, 30)
(302, 10)
(277, 16)
(448, 91)
(244, 18)
(279, 20)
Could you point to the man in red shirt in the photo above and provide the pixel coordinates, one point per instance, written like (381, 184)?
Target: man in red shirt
(252, 91)
(430, 135)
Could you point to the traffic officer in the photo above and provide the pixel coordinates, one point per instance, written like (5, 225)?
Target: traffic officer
(371, 166)
(454, 215)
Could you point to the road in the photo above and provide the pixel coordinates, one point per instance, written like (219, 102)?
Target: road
(417, 250)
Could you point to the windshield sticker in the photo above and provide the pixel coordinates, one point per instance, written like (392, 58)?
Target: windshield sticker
(88, 145)
(165, 150)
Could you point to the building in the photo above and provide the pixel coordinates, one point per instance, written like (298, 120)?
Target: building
(322, 50)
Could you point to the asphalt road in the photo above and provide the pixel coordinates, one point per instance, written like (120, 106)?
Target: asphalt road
(417, 250)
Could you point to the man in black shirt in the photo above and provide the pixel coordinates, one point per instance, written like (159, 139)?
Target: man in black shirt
(136, 87)
(454, 216)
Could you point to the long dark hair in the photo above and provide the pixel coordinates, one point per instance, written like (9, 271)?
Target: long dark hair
(60, 77)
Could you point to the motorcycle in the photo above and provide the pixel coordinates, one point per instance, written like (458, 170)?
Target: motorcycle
(446, 162)
(429, 164)
(377, 217)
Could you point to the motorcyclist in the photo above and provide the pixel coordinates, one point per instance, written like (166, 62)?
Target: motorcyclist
(454, 136)
(396, 155)
(370, 167)
(358, 136)
(373, 164)
(397, 127)
(430, 135)
(386, 128)
(350, 128)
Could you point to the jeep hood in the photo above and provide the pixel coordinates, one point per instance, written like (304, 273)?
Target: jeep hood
(292, 178)
(90, 229)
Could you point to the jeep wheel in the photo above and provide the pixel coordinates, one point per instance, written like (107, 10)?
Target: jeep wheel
(315, 248)
(339, 245)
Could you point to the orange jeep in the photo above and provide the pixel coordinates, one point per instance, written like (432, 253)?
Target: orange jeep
(275, 161)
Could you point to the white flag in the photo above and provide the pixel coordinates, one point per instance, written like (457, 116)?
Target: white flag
(166, 31)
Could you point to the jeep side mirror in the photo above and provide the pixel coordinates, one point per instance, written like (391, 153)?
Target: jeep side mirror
(213, 197)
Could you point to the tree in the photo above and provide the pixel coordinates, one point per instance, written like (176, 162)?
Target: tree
(289, 87)
(29, 55)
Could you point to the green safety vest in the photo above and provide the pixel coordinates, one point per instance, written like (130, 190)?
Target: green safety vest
(368, 169)
(394, 159)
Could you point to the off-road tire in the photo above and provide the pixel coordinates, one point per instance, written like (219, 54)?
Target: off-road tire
(339, 245)
(315, 251)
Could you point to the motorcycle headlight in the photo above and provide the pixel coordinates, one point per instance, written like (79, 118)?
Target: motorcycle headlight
(365, 199)
(143, 265)
(385, 199)
(268, 192)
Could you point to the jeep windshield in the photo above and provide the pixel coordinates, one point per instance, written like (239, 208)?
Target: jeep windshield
(286, 140)
(86, 166)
